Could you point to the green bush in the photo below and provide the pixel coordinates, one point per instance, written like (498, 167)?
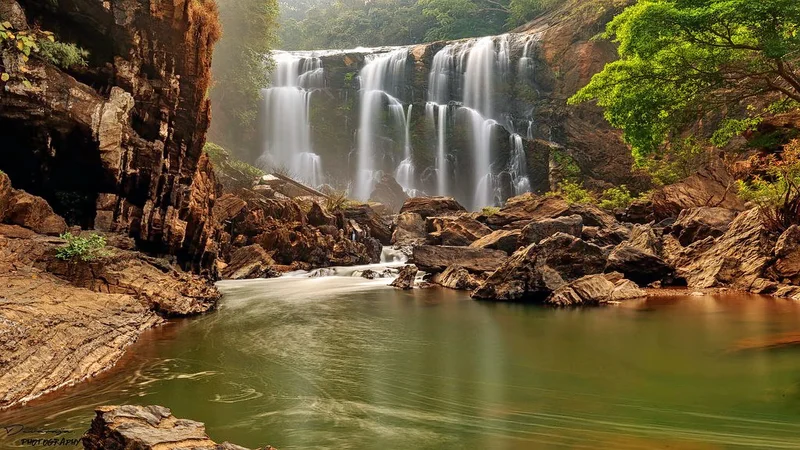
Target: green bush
(223, 160)
(489, 211)
(62, 54)
(80, 247)
(616, 198)
(573, 193)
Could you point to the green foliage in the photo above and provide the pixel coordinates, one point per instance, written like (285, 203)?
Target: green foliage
(566, 166)
(235, 168)
(82, 248)
(777, 192)
(616, 198)
(677, 161)
(489, 211)
(682, 59)
(240, 67)
(62, 54)
(39, 43)
(522, 11)
(573, 192)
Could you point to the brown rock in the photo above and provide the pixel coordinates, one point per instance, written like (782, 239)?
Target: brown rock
(33, 212)
(534, 272)
(432, 206)
(5, 196)
(147, 428)
(369, 220)
(787, 252)
(505, 240)
(319, 217)
(644, 238)
(711, 186)
(526, 208)
(434, 259)
(410, 230)
(696, 224)
(456, 231)
(458, 278)
(248, 263)
(406, 279)
(595, 290)
(638, 265)
(536, 231)
(388, 192)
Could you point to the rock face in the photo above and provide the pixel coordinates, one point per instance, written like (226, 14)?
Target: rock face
(460, 230)
(505, 240)
(458, 278)
(534, 272)
(539, 230)
(388, 192)
(524, 209)
(594, 290)
(248, 263)
(787, 252)
(712, 186)
(406, 279)
(432, 206)
(696, 224)
(34, 213)
(409, 230)
(134, 132)
(434, 259)
(147, 428)
(638, 265)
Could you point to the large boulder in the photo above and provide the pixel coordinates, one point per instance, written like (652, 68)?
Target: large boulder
(147, 428)
(695, 224)
(460, 230)
(248, 263)
(458, 278)
(638, 265)
(526, 208)
(505, 240)
(434, 259)
(645, 238)
(369, 220)
(534, 272)
(594, 290)
(710, 186)
(535, 232)
(593, 216)
(406, 279)
(34, 213)
(787, 254)
(388, 192)
(737, 258)
(409, 230)
(432, 206)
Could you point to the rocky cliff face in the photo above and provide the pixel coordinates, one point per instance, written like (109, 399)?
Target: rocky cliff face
(117, 145)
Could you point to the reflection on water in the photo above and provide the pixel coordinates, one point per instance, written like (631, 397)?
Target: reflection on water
(340, 362)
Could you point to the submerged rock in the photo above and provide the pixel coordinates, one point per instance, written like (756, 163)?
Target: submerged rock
(407, 278)
(435, 259)
(534, 272)
(147, 428)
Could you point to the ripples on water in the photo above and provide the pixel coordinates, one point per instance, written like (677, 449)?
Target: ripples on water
(344, 362)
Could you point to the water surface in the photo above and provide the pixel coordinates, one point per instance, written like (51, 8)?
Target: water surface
(348, 363)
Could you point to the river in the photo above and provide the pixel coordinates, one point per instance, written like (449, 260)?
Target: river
(348, 363)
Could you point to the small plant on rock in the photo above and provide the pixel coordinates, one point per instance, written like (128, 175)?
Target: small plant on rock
(616, 198)
(83, 248)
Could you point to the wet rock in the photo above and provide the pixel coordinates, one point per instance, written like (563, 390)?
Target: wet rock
(432, 206)
(34, 213)
(738, 258)
(696, 224)
(389, 192)
(505, 240)
(711, 186)
(410, 230)
(638, 265)
(456, 231)
(526, 208)
(369, 220)
(370, 274)
(787, 254)
(539, 230)
(249, 263)
(147, 428)
(534, 272)
(458, 278)
(407, 278)
(434, 259)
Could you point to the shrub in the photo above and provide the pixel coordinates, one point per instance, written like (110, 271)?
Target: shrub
(573, 192)
(80, 247)
(489, 211)
(62, 54)
(616, 198)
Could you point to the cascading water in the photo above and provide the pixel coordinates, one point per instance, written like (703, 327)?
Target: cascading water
(382, 80)
(442, 71)
(518, 166)
(287, 106)
(405, 171)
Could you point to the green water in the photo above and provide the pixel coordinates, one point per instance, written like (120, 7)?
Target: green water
(347, 363)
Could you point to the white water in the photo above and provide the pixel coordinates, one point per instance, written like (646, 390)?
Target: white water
(518, 166)
(287, 105)
(382, 80)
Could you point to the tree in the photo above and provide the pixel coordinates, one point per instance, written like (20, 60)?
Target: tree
(681, 60)
(241, 69)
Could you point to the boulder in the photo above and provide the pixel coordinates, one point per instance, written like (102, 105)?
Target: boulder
(388, 192)
(606, 236)
(644, 238)
(638, 265)
(147, 428)
(409, 230)
(626, 290)
(737, 258)
(595, 290)
(248, 263)
(319, 217)
(458, 278)
(593, 216)
(369, 220)
(535, 232)
(523, 209)
(787, 254)
(640, 211)
(432, 206)
(710, 186)
(34, 213)
(695, 224)
(505, 240)
(406, 279)
(460, 230)
(534, 272)
(5, 195)
(435, 259)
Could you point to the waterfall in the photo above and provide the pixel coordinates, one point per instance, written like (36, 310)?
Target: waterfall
(405, 171)
(288, 129)
(382, 80)
(518, 166)
(442, 173)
